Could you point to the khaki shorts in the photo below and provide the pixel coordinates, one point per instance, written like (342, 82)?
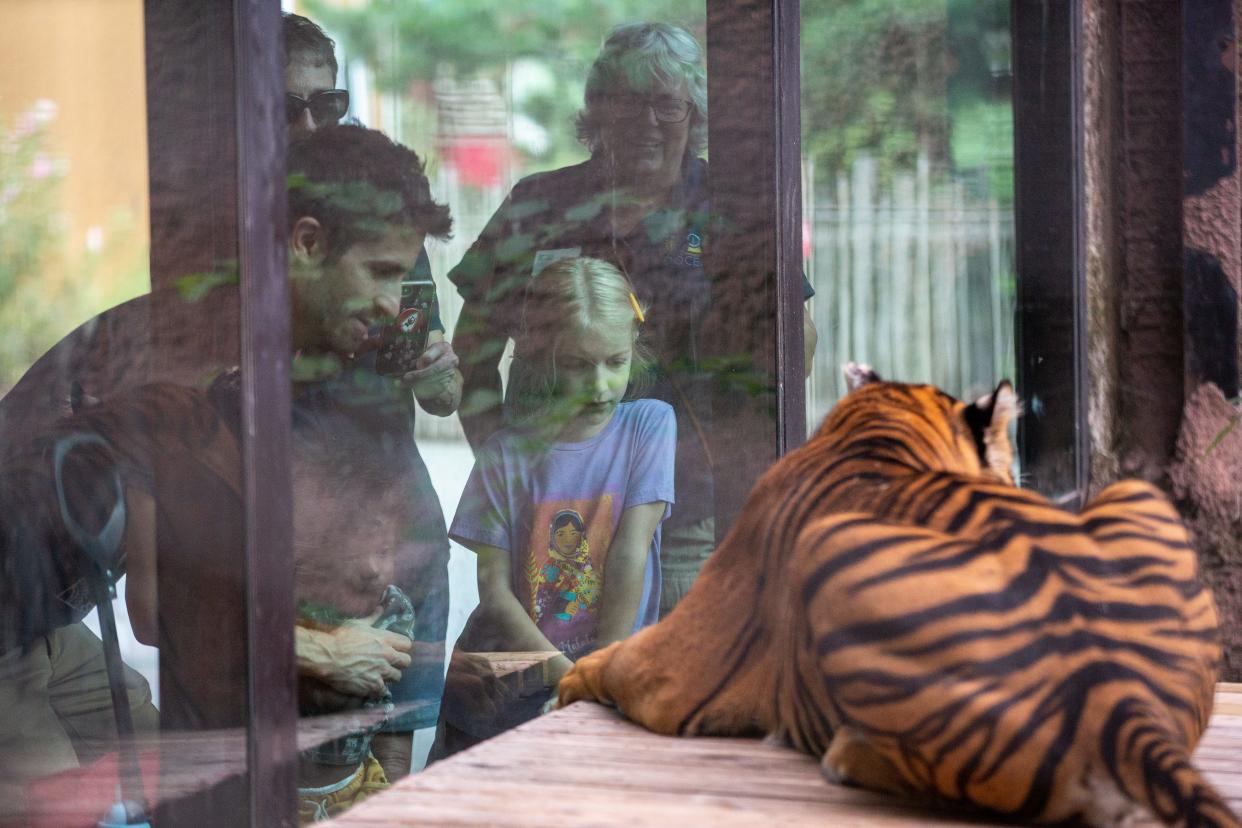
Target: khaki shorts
(683, 551)
(57, 709)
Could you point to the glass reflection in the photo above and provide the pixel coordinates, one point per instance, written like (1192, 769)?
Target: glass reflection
(908, 199)
(150, 483)
(372, 550)
(73, 241)
(578, 266)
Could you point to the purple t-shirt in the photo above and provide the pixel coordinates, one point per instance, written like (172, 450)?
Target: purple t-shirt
(555, 508)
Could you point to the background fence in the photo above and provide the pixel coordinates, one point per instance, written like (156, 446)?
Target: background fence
(913, 275)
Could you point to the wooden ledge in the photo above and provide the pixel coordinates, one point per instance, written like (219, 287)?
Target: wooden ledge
(587, 765)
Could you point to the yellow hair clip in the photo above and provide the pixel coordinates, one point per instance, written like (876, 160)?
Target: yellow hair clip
(638, 311)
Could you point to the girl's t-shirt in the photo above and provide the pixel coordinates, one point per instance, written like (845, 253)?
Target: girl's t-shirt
(555, 509)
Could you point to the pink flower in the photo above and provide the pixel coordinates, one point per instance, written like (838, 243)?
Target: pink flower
(41, 113)
(41, 166)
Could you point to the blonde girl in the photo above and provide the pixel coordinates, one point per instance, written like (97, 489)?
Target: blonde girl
(564, 505)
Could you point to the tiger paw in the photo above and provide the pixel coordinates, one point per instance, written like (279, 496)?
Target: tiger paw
(851, 759)
(585, 680)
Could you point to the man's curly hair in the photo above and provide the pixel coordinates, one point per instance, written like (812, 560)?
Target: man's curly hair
(357, 183)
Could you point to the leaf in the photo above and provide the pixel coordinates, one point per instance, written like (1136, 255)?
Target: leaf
(1224, 432)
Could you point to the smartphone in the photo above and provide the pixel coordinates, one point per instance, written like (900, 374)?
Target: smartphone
(403, 341)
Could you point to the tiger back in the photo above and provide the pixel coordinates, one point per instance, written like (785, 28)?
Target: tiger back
(888, 601)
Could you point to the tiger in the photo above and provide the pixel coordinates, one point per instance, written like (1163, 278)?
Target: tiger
(890, 602)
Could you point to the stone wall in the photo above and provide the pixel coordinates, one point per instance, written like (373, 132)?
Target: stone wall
(1148, 418)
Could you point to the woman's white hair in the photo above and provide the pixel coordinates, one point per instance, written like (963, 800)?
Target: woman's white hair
(633, 56)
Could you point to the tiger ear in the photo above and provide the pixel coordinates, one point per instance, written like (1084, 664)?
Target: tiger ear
(857, 375)
(989, 418)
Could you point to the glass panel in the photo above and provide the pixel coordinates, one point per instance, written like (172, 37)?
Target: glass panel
(121, 473)
(549, 511)
(907, 123)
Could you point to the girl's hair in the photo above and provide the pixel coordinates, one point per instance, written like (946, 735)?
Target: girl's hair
(633, 56)
(571, 296)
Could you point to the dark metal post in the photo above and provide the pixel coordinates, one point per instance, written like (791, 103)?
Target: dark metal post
(1049, 222)
(756, 266)
(216, 137)
(265, 415)
(787, 97)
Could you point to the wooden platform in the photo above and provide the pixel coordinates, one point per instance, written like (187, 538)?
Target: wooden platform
(179, 764)
(585, 765)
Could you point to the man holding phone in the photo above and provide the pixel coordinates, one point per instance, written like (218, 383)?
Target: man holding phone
(337, 314)
(357, 226)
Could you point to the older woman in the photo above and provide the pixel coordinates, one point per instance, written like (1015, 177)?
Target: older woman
(640, 202)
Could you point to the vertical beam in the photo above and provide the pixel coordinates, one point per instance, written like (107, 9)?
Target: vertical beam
(1211, 205)
(755, 333)
(1150, 349)
(216, 156)
(265, 413)
(1049, 219)
(787, 222)
(192, 161)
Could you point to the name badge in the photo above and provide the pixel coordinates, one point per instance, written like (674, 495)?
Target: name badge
(546, 257)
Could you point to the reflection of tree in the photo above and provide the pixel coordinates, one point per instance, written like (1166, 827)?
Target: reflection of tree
(414, 42)
(47, 287)
(29, 184)
(894, 80)
(891, 79)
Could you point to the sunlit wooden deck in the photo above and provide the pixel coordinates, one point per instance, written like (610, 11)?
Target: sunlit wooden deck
(585, 765)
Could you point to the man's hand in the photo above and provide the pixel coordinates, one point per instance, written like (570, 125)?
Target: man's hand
(435, 379)
(355, 658)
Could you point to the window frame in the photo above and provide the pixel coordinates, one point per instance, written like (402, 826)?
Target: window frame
(756, 271)
(757, 191)
(216, 156)
(1049, 226)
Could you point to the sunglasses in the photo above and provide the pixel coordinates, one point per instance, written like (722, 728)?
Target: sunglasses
(327, 107)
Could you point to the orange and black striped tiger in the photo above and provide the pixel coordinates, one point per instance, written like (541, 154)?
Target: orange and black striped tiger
(890, 601)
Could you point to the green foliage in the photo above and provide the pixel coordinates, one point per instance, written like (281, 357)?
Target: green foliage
(898, 79)
(192, 287)
(873, 80)
(30, 182)
(409, 43)
(891, 79)
(48, 286)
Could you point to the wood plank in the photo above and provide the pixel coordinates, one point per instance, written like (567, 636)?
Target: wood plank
(637, 778)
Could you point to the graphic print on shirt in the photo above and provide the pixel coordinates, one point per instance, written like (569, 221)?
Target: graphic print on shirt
(565, 569)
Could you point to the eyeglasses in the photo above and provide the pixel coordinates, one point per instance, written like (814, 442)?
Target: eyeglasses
(667, 110)
(327, 107)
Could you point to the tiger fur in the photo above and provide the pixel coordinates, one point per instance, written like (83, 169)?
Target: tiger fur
(890, 602)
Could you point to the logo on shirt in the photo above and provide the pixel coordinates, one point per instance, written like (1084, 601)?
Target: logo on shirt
(688, 256)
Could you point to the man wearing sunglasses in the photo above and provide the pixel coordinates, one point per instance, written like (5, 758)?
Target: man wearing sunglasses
(311, 99)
